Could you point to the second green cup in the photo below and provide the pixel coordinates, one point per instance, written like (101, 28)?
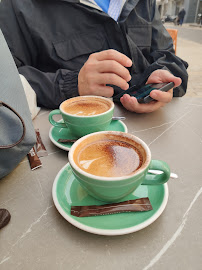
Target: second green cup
(83, 115)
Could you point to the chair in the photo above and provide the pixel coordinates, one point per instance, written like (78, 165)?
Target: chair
(173, 33)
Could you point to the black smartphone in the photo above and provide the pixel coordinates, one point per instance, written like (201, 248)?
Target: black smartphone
(142, 93)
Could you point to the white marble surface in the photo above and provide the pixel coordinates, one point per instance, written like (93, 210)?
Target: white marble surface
(38, 237)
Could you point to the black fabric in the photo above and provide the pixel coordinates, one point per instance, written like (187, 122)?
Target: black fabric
(51, 40)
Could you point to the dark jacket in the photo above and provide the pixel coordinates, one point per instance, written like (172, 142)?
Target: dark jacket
(181, 14)
(50, 41)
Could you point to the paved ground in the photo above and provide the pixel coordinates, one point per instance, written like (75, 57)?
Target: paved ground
(192, 32)
(192, 53)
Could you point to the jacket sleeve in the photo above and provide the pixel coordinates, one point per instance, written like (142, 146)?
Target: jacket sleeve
(162, 53)
(51, 88)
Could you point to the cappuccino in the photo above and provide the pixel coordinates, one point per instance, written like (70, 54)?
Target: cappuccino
(110, 165)
(86, 106)
(109, 157)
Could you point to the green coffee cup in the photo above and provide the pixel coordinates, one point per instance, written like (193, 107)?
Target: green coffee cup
(83, 115)
(110, 165)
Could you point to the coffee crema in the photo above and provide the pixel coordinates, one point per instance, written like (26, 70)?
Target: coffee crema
(109, 158)
(86, 106)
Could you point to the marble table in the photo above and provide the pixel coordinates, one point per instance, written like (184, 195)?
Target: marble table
(38, 237)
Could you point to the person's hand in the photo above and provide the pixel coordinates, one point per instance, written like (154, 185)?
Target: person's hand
(106, 67)
(161, 98)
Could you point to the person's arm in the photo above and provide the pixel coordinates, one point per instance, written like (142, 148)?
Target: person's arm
(165, 66)
(162, 54)
(51, 88)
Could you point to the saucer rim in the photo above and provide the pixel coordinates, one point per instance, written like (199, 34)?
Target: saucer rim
(66, 148)
(107, 232)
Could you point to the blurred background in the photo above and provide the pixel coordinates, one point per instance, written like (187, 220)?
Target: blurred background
(172, 8)
(188, 36)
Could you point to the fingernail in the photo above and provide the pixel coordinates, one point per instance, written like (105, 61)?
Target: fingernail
(127, 86)
(129, 62)
(129, 78)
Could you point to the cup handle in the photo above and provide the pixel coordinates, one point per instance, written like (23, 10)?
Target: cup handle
(53, 122)
(153, 179)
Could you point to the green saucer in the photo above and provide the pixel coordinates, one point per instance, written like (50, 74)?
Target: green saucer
(56, 133)
(67, 191)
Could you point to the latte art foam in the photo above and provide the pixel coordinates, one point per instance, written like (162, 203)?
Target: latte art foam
(86, 107)
(109, 158)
